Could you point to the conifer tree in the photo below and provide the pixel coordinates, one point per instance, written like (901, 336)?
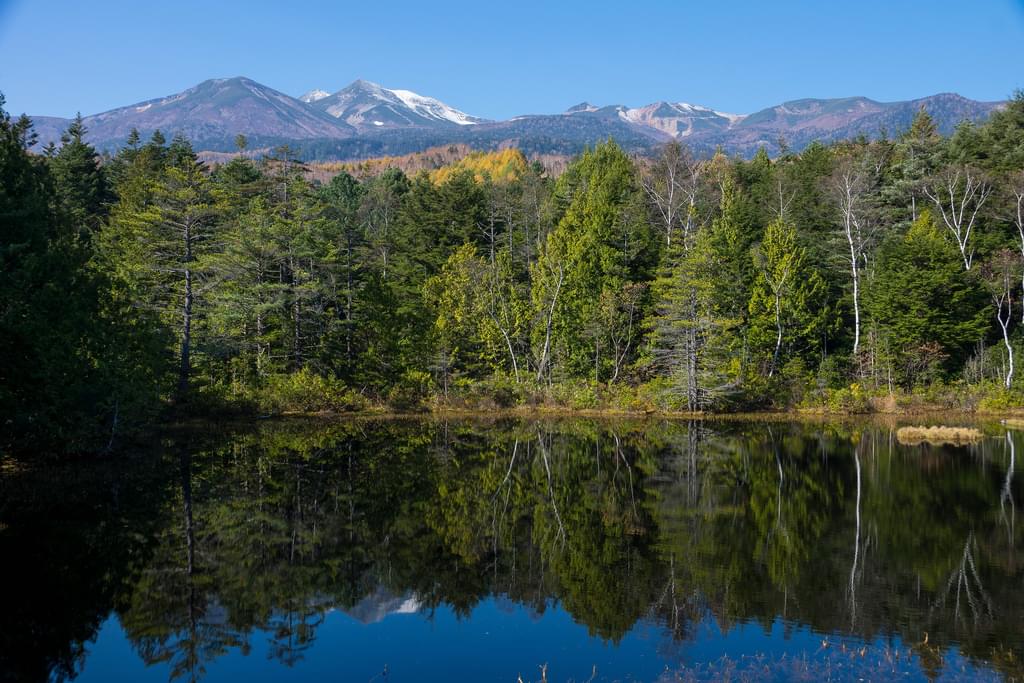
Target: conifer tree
(601, 243)
(160, 247)
(79, 180)
(927, 310)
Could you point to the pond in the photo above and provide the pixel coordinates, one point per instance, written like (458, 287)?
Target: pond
(508, 550)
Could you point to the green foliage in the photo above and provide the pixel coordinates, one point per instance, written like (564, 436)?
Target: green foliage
(601, 244)
(150, 280)
(787, 310)
(307, 392)
(75, 374)
(928, 310)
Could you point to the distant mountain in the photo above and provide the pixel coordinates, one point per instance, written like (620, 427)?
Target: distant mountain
(674, 119)
(367, 106)
(211, 114)
(800, 122)
(365, 119)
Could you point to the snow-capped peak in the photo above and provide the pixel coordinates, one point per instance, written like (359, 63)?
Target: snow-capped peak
(733, 118)
(314, 95)
(433, 109)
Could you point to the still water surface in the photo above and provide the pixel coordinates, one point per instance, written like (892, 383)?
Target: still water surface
(487, 551)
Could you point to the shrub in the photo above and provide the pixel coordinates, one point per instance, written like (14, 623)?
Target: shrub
(307, 392)
(662, 393)
(576, 394)
(410, 390)
(996, 397)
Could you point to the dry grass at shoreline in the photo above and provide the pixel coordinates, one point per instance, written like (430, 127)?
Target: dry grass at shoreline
(938, 436)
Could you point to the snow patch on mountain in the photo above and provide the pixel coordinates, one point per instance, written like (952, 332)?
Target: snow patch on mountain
(314, 95)
(433, 109)
(733, 118)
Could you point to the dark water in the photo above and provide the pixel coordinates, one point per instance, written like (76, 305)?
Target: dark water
(472, 551)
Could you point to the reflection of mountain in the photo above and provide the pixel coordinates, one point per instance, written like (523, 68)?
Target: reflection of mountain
(382, 603)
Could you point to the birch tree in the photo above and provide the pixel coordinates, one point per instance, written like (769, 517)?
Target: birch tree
(850, 186)
(785, 292)
(1017, 191)
(672, 185)
(1000, 274)
(959, 193)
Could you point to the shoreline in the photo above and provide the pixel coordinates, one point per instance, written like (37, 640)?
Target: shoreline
(534, 412)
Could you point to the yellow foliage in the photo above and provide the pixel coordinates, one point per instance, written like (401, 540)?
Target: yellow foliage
(956, 436)
(502, 166)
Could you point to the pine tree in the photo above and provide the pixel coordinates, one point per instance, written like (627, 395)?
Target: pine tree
(74, 367)
(916, 156)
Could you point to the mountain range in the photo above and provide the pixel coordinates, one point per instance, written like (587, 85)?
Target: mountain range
(365, 119)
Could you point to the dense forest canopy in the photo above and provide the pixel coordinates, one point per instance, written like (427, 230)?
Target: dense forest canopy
(840, 276)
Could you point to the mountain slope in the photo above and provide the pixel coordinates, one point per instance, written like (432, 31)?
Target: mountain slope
(800, 122)
(212, 113)
(368, 106)
(365, 119)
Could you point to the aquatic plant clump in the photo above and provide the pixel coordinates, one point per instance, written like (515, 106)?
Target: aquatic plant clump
(938, 436)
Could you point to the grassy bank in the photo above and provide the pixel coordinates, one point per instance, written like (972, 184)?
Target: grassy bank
(306, 393)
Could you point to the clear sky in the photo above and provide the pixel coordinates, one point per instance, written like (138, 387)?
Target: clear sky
(499, 59)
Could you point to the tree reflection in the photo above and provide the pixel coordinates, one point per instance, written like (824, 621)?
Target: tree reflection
(260, 535)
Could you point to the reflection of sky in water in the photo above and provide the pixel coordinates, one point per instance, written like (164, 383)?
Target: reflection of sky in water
(760, 547)
(501, 641)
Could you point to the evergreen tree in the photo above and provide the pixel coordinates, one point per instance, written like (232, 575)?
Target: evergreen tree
(160, 246)
(248, 302)
(916, 155)
(79, 179)
(927, 311)
(74, 368)
(346, 259)
(601, 244)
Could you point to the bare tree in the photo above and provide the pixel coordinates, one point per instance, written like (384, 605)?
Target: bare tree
(501, 306)
(1000, 275)
(545, 354)
(785, 200)
(672, 185)
(1018, 220)
(850, 185)
(959, 193)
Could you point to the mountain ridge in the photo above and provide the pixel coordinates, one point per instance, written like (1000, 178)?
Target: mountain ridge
(365, 119)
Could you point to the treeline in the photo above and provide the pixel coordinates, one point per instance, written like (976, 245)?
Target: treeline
(835, 276)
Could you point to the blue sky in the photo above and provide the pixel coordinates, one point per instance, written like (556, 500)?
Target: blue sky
(499, 59)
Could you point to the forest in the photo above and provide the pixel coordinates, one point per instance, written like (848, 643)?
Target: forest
(867, 275)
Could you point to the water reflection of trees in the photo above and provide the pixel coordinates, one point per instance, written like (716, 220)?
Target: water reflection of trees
(836, 528)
